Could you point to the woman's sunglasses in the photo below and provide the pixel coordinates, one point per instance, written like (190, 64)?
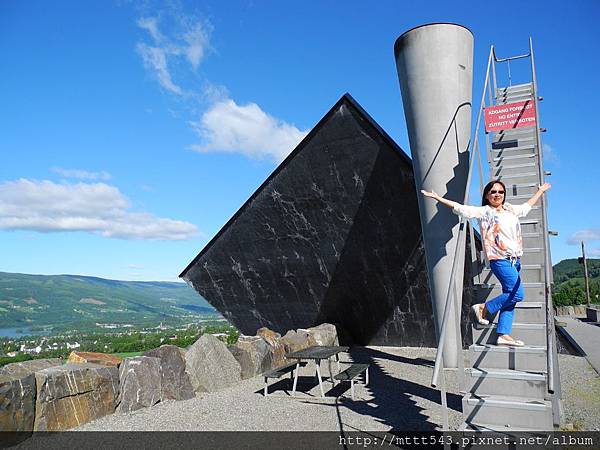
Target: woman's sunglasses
(497, 192)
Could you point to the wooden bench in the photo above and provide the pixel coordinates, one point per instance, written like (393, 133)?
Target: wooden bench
(353, 372)
(279, 372)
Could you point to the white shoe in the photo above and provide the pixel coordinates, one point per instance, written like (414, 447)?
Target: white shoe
(477, 312)
(510, 342)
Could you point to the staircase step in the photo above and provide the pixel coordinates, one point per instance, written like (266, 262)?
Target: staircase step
(524, 87)
(514, 90)
(531, 333)
(516, 432)
(519, 142)
(521, 189)
(527, 312)
(515, 152)
(534, 292)
(516, 383)
(534, 239)
(530, 176)
(522, 157)
(513, 133)
(532, 250)
(513, 98)
(529, 358)
(504, 143)
(532, 255)
(531, 231)
(510, 167)
(529, 273)
(531, 414)
(518, 199)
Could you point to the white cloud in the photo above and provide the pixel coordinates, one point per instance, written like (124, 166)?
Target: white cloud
(224, 126)
(99, 208)
(592, 234)
(247, 129)
(550, 154)
(196, 38)
(155, 59)
(594, 252)
(159, 57)
(150, 24)
(81, 174)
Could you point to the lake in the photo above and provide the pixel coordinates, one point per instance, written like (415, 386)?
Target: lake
(20, 332)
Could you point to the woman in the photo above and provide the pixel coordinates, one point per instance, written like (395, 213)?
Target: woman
(501, 234)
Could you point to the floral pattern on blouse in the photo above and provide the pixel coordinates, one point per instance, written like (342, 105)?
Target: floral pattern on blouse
(500, 230)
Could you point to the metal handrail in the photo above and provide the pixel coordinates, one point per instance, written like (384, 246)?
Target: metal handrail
(461, 237)
(459, 241)
(511, 58)
(547, 277)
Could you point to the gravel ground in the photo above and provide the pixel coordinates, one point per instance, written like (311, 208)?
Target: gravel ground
(398, 397)
(580, 393)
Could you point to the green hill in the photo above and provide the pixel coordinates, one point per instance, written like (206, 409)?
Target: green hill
(64, 302)
(570, 269)
(569, 283)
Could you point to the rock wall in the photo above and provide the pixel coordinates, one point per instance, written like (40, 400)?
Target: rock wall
(73, 394)
(210, 365)
(175, 381)
(18, 393)
(45, 395)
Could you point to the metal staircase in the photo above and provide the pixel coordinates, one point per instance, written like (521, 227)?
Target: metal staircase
(514, 389)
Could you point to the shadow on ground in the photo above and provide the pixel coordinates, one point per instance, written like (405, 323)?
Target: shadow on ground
(392, 401)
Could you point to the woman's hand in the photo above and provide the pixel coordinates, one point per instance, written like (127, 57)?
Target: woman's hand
(442, 200)
(431, 194)
(543, 188)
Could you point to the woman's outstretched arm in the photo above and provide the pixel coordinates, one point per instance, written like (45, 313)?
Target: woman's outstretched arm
(543, 188)
(469, 212)
(442, 200)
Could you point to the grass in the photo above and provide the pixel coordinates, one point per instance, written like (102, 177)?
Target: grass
(128, 354)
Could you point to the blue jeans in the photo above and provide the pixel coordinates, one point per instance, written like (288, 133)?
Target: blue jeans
(512, 292)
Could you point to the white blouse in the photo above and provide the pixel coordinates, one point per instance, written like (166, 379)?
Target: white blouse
(500, 230)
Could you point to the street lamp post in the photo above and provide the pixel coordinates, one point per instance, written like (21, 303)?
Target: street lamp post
(585, 272)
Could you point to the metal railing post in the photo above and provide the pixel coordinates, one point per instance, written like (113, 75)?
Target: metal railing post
(547, 273)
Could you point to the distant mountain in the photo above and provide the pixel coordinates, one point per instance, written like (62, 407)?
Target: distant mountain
(79, 302)
(571, 270)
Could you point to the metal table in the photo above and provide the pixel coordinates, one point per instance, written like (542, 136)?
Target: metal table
(317, 353)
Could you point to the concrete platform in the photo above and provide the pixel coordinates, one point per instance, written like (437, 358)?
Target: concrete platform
(586, 335)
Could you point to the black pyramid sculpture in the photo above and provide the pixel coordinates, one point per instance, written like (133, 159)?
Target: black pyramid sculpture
(333, 235)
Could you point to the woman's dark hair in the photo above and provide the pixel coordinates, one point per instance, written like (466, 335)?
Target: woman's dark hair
(488, 188)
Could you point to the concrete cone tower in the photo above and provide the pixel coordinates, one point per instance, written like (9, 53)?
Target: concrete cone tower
(435, 69)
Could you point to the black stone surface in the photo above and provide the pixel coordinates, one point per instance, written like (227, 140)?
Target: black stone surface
(333, 235)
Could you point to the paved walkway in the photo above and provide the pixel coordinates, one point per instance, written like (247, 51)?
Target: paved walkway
(586, 335)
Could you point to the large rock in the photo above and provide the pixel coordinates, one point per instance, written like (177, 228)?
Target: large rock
(175, 382)
(273, 339)
(73, 394)
(140, 383)
(210, 365)
(324, 334)
(17, 393)
(94, 358)
(297, 340)
(269, 336)
(253, 355)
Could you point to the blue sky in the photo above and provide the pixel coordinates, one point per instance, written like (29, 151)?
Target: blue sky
(132, 131)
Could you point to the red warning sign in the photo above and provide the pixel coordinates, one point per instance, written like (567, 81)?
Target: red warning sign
(511, 115)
